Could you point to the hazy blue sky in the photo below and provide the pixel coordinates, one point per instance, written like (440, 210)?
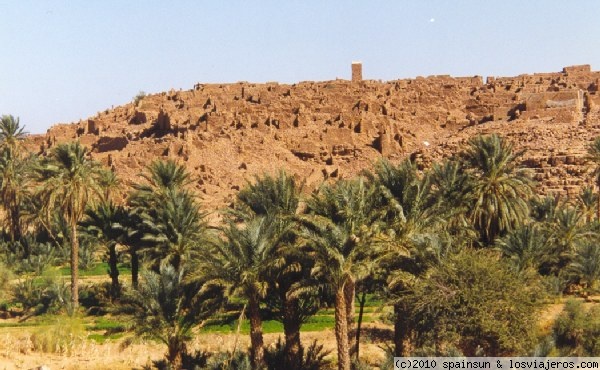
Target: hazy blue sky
(65, 60)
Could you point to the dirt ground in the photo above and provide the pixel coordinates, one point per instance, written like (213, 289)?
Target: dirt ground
(16, 349)
(16, 353)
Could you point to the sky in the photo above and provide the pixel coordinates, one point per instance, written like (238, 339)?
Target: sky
(62, 61)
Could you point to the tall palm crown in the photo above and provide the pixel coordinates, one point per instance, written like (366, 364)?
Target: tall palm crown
(11, 132)
(527, 247)
(165, 175)
(176, 231)
(71, 182)
(166, 216)
(344, 224)
(500, 189)
(269, 195)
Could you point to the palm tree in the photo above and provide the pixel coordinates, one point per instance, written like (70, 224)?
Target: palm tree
(416, 211)
(69, 183)
(569, 233)
(105, 224)
(586, 264)
(240, 264)
(499, 191)
(175, 232)
(451, 189)
(342, 225)
(544, 209)
(278, 197)
(163, 175)
(145, 202)
(11, 133)
(110, 183)
(593, 150)
(15, 170)
(167, 307)
(526, 247)
(588, 201)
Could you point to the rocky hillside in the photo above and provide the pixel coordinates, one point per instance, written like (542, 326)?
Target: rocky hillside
(226, 133)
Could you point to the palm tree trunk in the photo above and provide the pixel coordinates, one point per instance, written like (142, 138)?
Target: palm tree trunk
(135, 267)
(291, 329)
(176, 349)
(115, 288)
(256, 336)
(349, 296)
(341, 330)
(74, 267)
(401, 331)
(598, 198)
(362, 301)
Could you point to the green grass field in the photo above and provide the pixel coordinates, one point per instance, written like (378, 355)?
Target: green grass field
(100, 269)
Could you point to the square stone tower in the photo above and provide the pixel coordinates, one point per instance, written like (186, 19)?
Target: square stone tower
(356, 71)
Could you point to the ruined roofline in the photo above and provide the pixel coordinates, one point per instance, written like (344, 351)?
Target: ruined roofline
(568, 70)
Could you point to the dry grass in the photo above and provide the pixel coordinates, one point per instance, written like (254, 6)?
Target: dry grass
(17, 350)
(27, 347)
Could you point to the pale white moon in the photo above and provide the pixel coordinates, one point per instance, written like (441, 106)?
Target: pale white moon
(432, 20)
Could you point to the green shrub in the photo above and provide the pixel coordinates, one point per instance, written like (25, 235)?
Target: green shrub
(476, 303)
(87, 254)
(196, 361)
(95, 298)
(313, 359)
(577, 331)
(5, 277)
(42, 294)
(64, 336)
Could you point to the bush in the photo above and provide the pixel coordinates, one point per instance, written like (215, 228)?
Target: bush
(95, 298)
(196, 361)
(314, 357)
(63, 337)
(228, 361)
(43, 294)
(577, 331)
(42, 257)
(5, 277)
(87, 254)
(476, 303)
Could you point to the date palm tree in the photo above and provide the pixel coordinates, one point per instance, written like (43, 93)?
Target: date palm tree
(167, 307)
(569, 233)
(161, 182)
(15, 171)
(278, 197)
(175, 232)
(70, 182)
(415, 214)
(585, 266)
(105, 224)
(500, 190)
(240, 263)
(342, 226)
(11, 133)
(526, 247)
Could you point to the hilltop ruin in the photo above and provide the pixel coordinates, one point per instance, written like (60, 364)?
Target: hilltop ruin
(227, 133)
